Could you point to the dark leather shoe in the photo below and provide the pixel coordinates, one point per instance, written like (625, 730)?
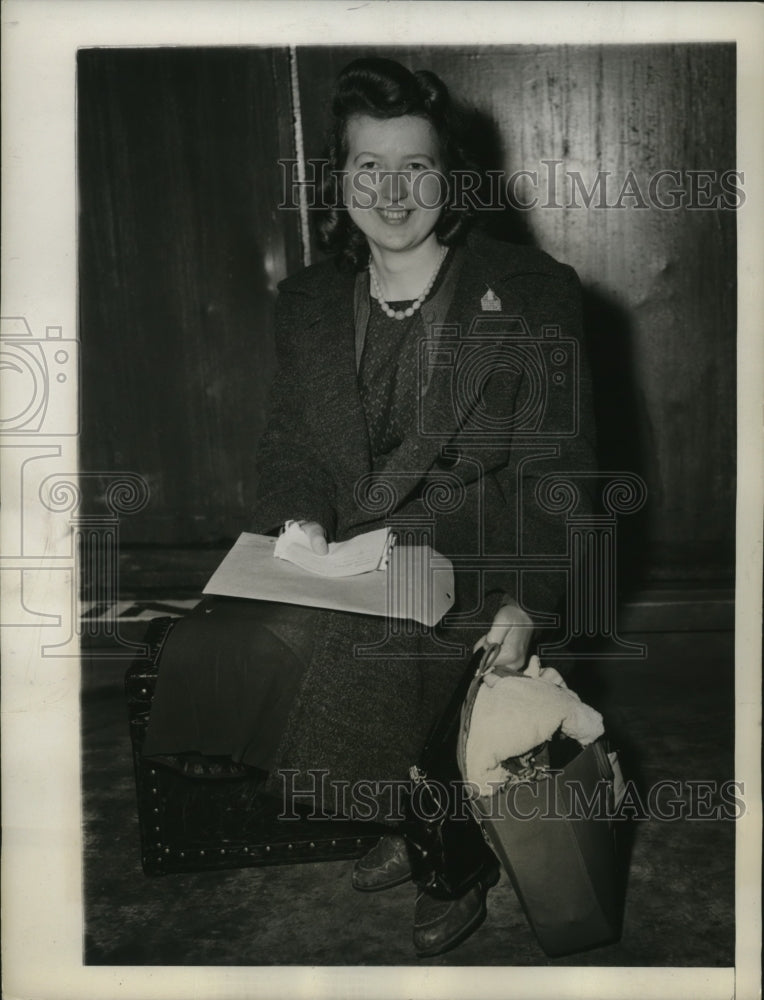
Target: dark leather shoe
(441, 924)
(387, 864)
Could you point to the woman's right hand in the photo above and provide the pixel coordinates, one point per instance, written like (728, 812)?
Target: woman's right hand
(511, 631)
(317, 536)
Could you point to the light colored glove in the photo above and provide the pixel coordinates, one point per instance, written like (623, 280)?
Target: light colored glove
(517, 713)
(548, 674)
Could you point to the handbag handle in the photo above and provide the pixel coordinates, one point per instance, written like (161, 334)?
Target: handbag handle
(447, 724)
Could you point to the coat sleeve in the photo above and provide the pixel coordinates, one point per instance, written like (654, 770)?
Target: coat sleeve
(553, 299)
(293, 482)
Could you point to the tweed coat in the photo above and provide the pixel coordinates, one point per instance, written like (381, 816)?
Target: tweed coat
(505, 400)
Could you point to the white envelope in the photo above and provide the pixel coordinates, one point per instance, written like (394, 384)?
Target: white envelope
(418, 584)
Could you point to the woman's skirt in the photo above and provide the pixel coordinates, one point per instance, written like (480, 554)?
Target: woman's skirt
(229, 674)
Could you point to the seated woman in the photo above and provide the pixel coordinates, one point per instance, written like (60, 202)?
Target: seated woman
(394, 404)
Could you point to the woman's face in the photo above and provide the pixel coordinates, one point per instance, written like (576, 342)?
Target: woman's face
(393, 189)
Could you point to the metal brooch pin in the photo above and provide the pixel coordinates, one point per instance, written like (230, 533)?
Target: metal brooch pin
(490, 302)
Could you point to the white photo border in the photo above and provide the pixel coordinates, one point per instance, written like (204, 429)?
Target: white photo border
(42, 867)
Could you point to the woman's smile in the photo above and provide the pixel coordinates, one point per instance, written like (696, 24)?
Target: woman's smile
(394, 216)
(391, 181)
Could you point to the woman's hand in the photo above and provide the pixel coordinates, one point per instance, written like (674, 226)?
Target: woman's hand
(512, 630)
(317, 536)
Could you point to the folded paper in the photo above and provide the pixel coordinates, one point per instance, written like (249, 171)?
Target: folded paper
(417, 585)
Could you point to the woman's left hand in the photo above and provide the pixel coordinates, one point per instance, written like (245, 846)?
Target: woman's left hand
(512, 630)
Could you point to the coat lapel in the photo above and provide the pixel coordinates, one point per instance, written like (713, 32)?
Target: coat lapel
(332, 336)
(441, 445)
(439, 442)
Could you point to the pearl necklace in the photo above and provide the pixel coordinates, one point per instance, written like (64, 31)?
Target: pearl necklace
(405, 313)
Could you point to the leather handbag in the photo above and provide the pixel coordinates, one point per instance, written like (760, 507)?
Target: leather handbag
(551, 826)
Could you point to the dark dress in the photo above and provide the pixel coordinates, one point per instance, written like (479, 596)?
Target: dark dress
(232, 669)
(230, 672)
(352, 697)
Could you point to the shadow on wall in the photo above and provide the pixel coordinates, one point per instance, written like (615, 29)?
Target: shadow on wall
(608, 332)
(622, 428)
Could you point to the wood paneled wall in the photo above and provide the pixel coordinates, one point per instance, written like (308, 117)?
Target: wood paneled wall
(182, 244)
(181, 249)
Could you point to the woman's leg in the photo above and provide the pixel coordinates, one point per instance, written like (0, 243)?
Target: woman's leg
(229, 673)
(440, 845)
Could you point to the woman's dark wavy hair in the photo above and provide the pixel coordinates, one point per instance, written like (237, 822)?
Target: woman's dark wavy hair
(382, 88)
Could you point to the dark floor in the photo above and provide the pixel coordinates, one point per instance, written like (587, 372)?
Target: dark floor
(671, 714)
